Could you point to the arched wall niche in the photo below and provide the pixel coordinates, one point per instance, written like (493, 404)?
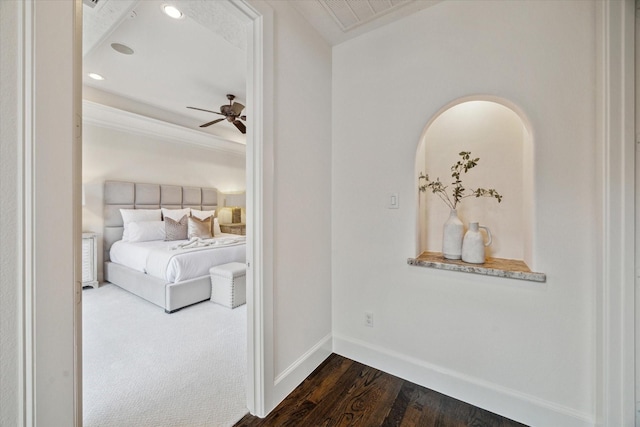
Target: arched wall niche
(500, 134)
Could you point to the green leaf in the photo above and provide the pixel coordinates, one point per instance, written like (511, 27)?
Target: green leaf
(458, 192)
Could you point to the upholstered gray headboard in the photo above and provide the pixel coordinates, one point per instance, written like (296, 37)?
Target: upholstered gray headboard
(131, 195)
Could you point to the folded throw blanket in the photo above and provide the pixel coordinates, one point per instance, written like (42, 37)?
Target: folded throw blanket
(199, 242)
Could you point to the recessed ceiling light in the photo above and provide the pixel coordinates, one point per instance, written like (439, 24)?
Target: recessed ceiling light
(122, 48)
(96, 76)
(172, 11)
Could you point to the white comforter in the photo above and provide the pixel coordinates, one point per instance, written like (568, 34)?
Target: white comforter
(170, 262)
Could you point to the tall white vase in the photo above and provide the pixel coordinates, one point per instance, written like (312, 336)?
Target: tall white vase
(452, 234)
(473, 244)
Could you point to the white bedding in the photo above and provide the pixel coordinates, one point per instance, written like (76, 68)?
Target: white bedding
(180, 264)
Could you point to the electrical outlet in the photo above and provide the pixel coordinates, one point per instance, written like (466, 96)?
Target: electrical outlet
(368, 319)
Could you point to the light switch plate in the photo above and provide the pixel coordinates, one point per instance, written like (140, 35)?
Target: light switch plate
(393, 201)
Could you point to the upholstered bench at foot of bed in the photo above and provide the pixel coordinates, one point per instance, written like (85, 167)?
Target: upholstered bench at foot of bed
(228, 284)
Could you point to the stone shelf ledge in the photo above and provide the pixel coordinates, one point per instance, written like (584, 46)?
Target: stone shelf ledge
(498, 267)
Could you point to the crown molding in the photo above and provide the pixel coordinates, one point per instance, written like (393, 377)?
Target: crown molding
(102, 115)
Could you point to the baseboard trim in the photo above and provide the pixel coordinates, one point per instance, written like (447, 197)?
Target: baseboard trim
(291, 377)
(509, 403)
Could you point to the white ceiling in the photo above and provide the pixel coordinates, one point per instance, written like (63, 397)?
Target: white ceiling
(198, 59)
(193, 61)
(341, 20)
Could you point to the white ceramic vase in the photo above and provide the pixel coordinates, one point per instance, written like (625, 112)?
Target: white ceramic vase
(473, 244)
(452, 235)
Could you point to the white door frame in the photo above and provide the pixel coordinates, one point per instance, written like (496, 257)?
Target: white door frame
(614, 299)
(260, 377)
(48, 210)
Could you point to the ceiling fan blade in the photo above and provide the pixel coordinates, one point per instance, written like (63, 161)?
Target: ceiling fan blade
(244, 118)
(241, 127)
(208, 111)
(211, 123)
(237, 108)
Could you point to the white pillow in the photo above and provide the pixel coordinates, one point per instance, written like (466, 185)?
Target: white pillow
(145, 231)
(216, 227)
(202, 215)
(175, 214)
(137, 215)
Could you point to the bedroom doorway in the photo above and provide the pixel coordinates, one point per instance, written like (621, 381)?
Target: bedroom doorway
(257, 188)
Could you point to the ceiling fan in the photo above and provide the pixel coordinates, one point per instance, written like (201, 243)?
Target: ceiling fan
(230, 112)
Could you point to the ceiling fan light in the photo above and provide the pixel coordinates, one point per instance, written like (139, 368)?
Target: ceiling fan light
(172, 11)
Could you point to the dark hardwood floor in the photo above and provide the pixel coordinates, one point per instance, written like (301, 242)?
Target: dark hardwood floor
(342, 392)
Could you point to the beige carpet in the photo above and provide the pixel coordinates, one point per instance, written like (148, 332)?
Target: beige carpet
(143, 367)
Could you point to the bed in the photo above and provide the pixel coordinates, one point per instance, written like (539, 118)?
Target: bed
(171, 274)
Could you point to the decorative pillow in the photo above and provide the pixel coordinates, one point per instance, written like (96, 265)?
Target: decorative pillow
(202, 214)
(137, 215)
(175, 230)
(216, 227)
(145, 231)
(199, 228)
(175, 214)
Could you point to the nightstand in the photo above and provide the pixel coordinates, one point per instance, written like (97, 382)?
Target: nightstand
(89, 260)
(234, 228)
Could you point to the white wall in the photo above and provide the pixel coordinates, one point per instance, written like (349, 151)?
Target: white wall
(9, 221)
(110, 154)
(521, 349)
(302, 199)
